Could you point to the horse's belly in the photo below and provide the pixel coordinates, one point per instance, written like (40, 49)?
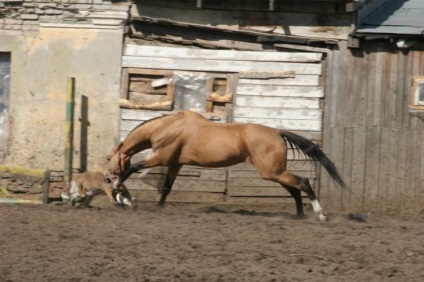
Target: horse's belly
(209, 158)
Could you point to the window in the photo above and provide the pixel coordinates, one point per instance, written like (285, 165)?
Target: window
(417, 93)
(147, 89)
(4, 99)
(165, 90)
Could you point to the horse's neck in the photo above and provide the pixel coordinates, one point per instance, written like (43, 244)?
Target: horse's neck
(140, 138)
(137, 141)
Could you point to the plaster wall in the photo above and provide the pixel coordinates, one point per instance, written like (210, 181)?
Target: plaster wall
(40, 67)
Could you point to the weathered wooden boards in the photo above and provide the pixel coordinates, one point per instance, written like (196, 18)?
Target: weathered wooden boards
(153, 57)
(328, 25)
(193, 184)
(245, 185)
(299, 95)
(371, 135)
(240, 184)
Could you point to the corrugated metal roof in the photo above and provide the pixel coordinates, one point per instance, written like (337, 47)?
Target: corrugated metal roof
(404, 17)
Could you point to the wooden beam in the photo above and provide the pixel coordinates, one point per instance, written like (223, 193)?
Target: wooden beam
(267, 75)
(278, 102)
(282, 113)
(163, 105)
(304, 48)
(201, 64)
(269, 90)
(298, 80)
(233, 55)
(149, 71)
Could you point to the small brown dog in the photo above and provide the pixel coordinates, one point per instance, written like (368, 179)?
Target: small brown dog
(85, 186)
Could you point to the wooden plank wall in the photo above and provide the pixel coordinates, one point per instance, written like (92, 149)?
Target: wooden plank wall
(279, 89)
(370, 132)
(303, 19)
(291, 103)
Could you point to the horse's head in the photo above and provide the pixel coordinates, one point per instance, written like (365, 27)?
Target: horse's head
(118, 162)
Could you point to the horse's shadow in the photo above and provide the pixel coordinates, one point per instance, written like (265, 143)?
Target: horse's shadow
(253, 213)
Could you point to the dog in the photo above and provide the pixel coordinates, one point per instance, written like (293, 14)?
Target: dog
(84, 186)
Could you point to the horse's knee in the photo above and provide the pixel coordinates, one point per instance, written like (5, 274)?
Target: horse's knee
(304, 184)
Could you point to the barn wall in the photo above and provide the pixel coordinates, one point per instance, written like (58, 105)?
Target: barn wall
(370, 131)
(40, 68)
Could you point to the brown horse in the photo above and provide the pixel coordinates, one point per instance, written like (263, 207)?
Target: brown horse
(188, 138)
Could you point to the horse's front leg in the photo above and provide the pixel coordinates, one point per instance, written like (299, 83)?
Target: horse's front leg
(124, 176)
(169, 181)
(150, 161)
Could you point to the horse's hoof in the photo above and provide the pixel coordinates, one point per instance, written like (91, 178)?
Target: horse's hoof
(322, 217)
(299, 217)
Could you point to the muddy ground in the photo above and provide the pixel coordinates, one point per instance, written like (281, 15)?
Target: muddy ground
(203, 243)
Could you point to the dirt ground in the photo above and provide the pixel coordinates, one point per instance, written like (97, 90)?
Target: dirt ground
(184, 242)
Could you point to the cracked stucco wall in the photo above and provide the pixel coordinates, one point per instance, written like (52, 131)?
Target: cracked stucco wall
(50, 41)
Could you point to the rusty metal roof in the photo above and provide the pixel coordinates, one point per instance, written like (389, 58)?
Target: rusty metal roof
(399, 17)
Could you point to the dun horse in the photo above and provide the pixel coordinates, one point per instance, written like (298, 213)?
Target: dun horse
(188, 138)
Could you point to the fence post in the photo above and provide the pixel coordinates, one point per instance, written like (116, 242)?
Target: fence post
(69, 128)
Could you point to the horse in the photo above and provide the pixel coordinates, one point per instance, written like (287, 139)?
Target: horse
(188, 138)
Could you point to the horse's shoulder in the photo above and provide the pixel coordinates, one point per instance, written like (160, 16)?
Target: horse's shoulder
(187, 114)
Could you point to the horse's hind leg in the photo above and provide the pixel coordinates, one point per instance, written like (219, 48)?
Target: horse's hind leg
(296, 194)
(169, 181)
(292, 181)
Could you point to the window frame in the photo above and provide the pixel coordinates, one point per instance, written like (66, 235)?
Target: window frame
(416, 88)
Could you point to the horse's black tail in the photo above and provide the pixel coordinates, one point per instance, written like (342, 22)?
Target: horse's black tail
(313, 151)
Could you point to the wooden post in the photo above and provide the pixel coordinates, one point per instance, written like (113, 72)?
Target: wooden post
(84, 133)
(46, 190)
(69, 128)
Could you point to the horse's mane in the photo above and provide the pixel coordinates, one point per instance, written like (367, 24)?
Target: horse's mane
(147, 121)
(166, 115)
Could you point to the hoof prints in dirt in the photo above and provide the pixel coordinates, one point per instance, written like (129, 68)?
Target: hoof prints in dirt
(194, 243)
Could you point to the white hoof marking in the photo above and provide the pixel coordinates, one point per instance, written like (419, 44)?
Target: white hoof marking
(322, 217)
